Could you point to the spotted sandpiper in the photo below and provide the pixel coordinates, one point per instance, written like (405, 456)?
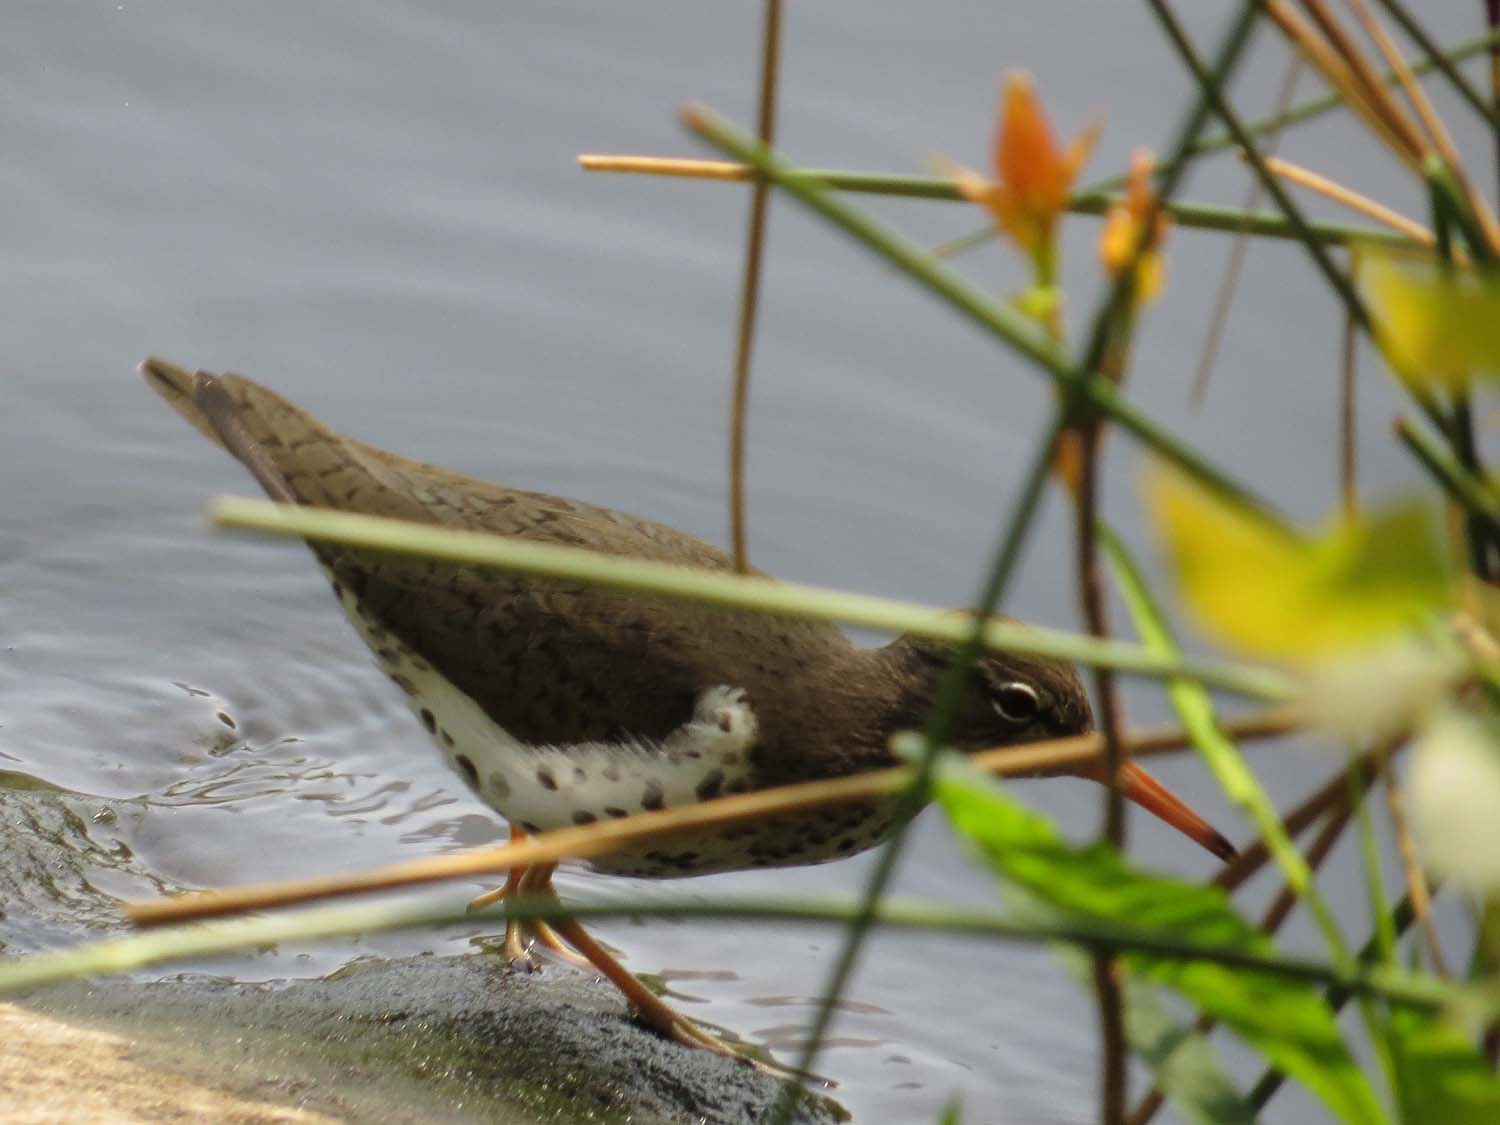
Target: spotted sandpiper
(561, 704)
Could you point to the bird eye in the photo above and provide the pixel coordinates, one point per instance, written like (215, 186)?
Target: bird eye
(1016, 702)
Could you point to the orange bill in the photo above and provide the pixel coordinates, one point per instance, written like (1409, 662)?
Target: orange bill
(1161, 802)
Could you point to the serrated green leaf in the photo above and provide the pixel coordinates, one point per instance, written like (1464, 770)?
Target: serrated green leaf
(1287, 1021)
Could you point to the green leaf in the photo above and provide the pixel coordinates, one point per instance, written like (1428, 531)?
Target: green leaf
(1287, 1021)
(1182, 1062)
(1196, 710)
(1442, 1078)
(1185, 1065)
(1293, 597)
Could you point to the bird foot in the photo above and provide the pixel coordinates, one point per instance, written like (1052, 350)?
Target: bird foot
(569, 941)
(691, 1034)
(523, 935)
(530, 944)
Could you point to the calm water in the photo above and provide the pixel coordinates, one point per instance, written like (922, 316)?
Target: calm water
(374, 207)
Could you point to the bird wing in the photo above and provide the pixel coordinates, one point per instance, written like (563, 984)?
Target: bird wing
(550, 660)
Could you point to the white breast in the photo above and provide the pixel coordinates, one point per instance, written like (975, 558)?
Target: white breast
(542, 787)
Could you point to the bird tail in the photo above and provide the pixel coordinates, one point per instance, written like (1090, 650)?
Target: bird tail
(292, 455)
(206, 402)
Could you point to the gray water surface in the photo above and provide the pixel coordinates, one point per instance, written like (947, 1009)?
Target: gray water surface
(375, 208)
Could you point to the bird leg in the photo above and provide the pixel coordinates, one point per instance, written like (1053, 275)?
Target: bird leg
(573, 943)
(521, 933)
(652, 1010)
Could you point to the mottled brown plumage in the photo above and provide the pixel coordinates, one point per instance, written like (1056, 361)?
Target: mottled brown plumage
(574, 703)
(560, 662)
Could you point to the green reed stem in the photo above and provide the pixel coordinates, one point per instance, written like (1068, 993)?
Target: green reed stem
(1198, 216)
(1401, 918)
(1306, 111)
(939, 730)
(1438, 59)
(1316, 107)
(1196, 712)
(1212, 86)
(732, 591)
(1467, 490)
(1012, 328)
(202, 939)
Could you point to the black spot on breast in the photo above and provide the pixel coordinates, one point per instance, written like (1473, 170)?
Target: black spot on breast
(403, 683)
(532, 828)
(546, 778)
(466, 766)
(582, 817)
(580, 774)
(611, 773)
(447, 739)
(738, 785)
(611, 810)
(429, 720)
(653, 798)
(709, 787)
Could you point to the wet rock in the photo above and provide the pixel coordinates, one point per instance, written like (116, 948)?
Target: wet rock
(420, 1039)
(426, 1039)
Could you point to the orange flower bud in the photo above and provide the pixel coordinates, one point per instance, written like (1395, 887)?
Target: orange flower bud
(1123, 230)
(1033, 177)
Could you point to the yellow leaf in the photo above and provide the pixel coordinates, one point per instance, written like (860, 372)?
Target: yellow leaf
(1288, 596)
(1434, 325)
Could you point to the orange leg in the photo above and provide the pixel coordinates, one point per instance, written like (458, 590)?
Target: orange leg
(570, 940)
(654, 1012)
(520, 933)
